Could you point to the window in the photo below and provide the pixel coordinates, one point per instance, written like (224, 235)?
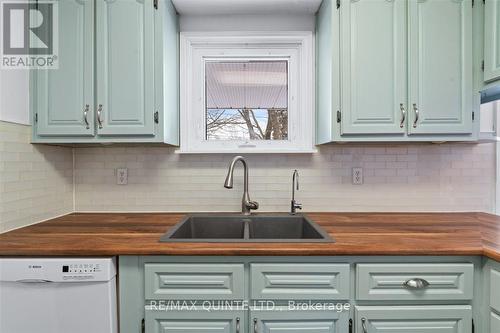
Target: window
(243, 93)
(246, 100)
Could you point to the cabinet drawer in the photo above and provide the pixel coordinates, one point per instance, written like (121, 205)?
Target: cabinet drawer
(199, 321)
(282, 320)
(495, 289)
(415, 319)
(299, 281)
(387, 281)
(494, 323)
(194, 281)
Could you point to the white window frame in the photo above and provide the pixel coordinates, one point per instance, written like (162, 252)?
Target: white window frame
(295, 47)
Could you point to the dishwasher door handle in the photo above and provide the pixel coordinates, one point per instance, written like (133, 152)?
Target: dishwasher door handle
(34, 281)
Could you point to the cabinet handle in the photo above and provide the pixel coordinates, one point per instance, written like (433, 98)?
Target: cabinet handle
(237, 324)
(416, 115)
(416, 283)
(85, 112)
(403, 115)
(99, 112)
(363, 325)
(255, 328)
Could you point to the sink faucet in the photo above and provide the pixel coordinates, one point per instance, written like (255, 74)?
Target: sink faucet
(246, 204)
(295, 184)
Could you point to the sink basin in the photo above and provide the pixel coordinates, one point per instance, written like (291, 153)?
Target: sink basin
(267, 228)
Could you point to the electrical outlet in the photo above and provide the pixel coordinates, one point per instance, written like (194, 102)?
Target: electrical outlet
(357, 176)
(122, 176)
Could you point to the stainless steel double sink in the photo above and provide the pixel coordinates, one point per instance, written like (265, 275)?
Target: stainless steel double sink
(261, 228)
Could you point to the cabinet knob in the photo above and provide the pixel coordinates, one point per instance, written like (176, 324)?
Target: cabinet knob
(85, 113)
(403, 115)
(415, 109)
(99, 113)
(363, 325)
(416, 283)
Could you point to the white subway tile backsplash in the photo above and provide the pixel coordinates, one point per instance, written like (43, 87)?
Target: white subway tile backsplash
(416, 177)
(36, 181)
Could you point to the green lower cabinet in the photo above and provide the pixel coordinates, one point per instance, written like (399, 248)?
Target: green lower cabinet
(284, 320)
(195, 321)
(308, 294)
(414, 319)
(492, 299)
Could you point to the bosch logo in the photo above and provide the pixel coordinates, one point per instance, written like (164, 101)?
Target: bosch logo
(34, 266)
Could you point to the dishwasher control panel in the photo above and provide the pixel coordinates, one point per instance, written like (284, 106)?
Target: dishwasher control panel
(81, 271)
(57, 270)
(81, 268)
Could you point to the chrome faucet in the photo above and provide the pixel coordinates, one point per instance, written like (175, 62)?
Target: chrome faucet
(246, 204)
(295, 184)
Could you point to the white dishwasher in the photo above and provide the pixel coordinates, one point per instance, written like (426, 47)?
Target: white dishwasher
(58, 295)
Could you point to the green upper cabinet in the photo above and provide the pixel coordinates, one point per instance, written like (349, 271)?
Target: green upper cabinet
(373, 44)
(492, 40)
(125, 67)
(63, 99)
(123, 96)
(404, 69)
(440, 67)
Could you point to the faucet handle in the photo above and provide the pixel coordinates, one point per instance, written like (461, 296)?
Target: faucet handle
(252, 205)
(294, 206)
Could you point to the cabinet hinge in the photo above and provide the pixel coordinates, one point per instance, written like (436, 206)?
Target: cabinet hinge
(482, 65)
(339, 116)
(338, 4)
(156, 117)
(155, 4)
(143, 326)
(473, 328)
(36, 117)
(350, 325)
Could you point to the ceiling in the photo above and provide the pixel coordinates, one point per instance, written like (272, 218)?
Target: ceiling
(245, 7)
(253, 85)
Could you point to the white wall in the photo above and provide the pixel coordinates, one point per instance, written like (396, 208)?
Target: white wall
(297, 22)
(14, 96)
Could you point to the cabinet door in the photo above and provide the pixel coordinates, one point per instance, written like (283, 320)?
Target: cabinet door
(287, 320)
(440, 67)
(374, 82)
(63, 97)
(492, 40)
(414, 319)
(125, 67)
(194, 321)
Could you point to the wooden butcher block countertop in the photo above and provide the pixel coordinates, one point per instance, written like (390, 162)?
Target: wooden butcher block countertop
(103, 234)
